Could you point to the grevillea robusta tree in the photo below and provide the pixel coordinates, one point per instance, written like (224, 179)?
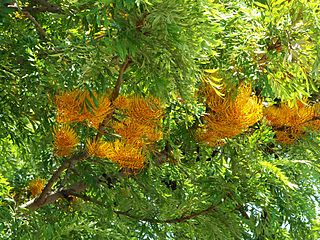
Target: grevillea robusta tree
(151, 119)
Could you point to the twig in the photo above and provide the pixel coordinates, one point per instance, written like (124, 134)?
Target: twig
(141, 22)
(181, 219)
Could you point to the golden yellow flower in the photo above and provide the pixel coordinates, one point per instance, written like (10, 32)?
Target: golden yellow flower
(210, 137)
(288, 116)
(76, 106)
(65, 140)
(141, 125)
(228, 117)
(121, 103)
(99, 113)
(317, 108)
(36, 186)
(68, 106)
(144, 110)
(314, 125)
(100, 148)
(127, 155)
(136, 133)
(289, 136)
(289, 122)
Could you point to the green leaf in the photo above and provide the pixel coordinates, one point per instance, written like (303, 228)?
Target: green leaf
(279, 174)
(259, 4)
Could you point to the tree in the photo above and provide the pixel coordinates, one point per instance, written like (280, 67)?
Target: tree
(159, 119)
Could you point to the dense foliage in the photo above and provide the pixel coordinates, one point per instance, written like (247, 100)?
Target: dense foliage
(159, 119)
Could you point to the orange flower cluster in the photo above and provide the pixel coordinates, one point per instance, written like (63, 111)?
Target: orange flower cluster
(143, 110)
(73, 107)
(126, 155)
(65, 140)
(139, 128)
(290, 122)
(36, 186)
(228, 117)
(136, 133)
(100, 148)
(141, 125)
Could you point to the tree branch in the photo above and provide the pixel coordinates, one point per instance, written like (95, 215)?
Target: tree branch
(43, 197)
(184, 218)
(34, 204)
(119, 82)
(79, 187)
(87, 198)
(40, 30)
(45, 6)
(114, 94)
(43, 3)
(41, 9)
(242, 211)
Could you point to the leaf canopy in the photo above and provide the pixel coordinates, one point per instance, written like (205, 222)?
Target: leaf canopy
(102, 103)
